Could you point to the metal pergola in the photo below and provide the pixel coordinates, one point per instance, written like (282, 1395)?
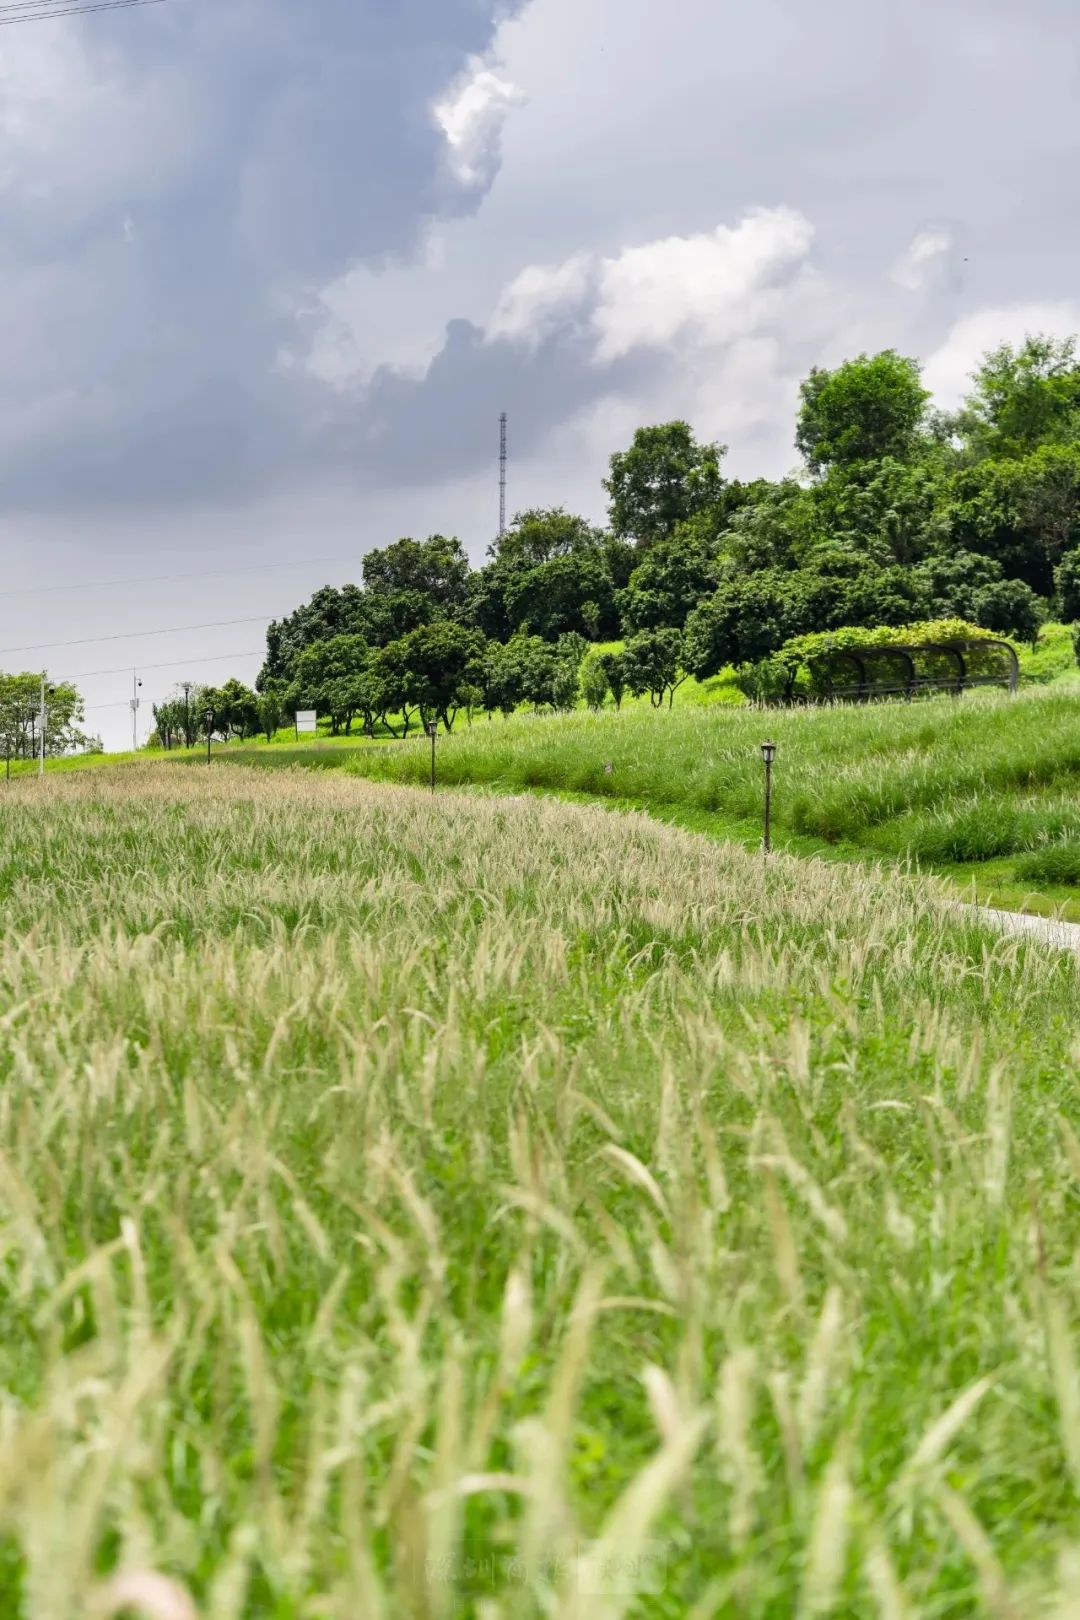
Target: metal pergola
(907, 672)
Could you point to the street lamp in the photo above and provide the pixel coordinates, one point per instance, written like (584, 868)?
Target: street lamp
(768, 754)
(209, 719)
(46, 692)
(433, 732)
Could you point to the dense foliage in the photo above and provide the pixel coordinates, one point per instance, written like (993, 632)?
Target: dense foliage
(23, 704)
(901, 514)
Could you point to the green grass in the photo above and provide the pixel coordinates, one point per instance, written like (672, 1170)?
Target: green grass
(398, 1195)
(954, 785)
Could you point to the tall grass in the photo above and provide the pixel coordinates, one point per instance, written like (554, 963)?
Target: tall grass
(842, 774)
(444, 1208)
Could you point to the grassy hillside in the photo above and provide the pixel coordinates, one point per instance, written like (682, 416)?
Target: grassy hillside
(468, 1208)
(980, 786)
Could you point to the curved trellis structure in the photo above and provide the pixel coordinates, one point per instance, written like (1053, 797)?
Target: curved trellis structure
(861, 674)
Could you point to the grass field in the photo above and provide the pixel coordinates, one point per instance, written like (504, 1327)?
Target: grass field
(451, 1208)
(982, 789)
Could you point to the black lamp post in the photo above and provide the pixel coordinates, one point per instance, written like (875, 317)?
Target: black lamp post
(209, 718)
(433, 732)
(768, 754)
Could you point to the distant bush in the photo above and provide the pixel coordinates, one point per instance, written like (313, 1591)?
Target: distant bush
(1054, 863)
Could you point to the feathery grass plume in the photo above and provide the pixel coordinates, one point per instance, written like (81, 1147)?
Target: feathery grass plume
(324, 1291)
(827, 1548)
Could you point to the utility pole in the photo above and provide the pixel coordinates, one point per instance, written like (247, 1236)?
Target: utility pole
(41, 729)
(135, 684)
(502, 475)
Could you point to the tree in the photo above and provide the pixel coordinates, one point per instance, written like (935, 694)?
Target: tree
(239, 713)
(1023, 398)
(393, 686)
(594, 681)
(569, 593)
(773, 529)
(20, 717)
(502, 682)
(614, 668)
(654, 662)
(1011, 608)
(323, 677)
(439, 661)
(1024, 511)
(889, 509)
(551, 573)
(952, 581)
(570, 650)
(332, 611)
(1067, 584)
(670, 580)
(745, 620)
(661, 481)
(270, 708)
(434, 572)
(536, 536)
(866, 409)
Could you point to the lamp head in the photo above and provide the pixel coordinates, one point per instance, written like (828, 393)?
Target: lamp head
(768, 752)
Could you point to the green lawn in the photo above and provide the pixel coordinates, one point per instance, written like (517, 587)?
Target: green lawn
(455, 1207)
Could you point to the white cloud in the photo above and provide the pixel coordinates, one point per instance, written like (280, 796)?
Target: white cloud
(710, 288)
(471, 116)
(924, 256)
(948, 371)
(543, 300)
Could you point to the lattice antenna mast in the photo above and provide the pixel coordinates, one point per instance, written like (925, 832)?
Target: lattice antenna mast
(502, 475)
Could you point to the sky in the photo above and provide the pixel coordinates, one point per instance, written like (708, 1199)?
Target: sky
(273, 268)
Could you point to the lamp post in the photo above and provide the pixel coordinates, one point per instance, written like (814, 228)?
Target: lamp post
(768, 754)
(433, 732)
(135, 685)
(209, 718)
(47, 691)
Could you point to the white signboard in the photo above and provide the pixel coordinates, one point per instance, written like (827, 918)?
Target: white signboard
(306, 721)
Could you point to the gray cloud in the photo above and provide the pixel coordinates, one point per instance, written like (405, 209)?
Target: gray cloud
(257, 256)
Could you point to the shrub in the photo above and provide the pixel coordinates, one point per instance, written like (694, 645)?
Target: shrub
(1054, 863)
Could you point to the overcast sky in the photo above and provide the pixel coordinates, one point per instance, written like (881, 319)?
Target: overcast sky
(272, 268)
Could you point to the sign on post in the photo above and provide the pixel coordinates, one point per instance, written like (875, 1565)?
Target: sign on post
(306, 722)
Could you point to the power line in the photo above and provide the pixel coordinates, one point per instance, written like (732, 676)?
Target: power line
(172, 579)
(67, 10)
(132, 635)
(175, 663)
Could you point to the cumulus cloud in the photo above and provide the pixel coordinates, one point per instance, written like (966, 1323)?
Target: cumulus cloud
(711, 286)
(922, 259)
(471, 115)
(947, 373)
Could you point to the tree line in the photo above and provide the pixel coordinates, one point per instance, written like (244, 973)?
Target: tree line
(899, 513)
(20, 718)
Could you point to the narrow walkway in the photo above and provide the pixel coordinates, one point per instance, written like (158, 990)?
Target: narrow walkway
(1065, 935)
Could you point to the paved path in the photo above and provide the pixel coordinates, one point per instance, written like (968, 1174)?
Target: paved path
(1065, 935)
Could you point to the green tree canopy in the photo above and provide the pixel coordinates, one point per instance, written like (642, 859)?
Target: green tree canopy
(664, 478)
(864, 410)
(654, 662)
(1022, 398)
(668, 582)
